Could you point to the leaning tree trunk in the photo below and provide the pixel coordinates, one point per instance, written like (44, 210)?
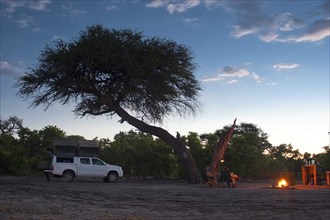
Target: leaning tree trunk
(219, 152)
(176, 143)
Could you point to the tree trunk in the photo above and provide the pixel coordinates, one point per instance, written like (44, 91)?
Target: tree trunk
(219, 151)
(178, 146)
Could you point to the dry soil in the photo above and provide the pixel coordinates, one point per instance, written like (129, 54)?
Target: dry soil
(35, 198)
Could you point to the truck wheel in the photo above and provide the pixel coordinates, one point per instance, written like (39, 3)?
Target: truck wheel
(68, 175)
(112, 177)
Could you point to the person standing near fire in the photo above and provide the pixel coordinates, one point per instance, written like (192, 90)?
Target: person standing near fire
(229, 177)
(225, 176)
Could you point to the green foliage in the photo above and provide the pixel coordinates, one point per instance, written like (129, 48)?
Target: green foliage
(22, 149)
(139, 154)
(251, 155)
(324, 158)
(143, 156)
(201, 149)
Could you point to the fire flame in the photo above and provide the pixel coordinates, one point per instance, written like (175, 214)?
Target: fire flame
(282, 183)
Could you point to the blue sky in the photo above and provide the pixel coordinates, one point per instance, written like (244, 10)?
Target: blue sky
(264, 62)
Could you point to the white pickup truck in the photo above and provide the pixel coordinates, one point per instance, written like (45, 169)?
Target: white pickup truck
(70, 167)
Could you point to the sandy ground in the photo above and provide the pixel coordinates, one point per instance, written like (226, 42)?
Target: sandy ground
(35, 198)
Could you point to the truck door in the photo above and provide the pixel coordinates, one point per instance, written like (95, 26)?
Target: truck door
(84, 167)
(98, 167)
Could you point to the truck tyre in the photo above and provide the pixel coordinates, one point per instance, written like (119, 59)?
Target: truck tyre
(112, 177)
(68, 175)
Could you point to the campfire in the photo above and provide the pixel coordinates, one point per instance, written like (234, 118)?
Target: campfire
(282, 183)
(286, 181)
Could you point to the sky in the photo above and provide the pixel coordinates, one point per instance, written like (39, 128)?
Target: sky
(262, 62)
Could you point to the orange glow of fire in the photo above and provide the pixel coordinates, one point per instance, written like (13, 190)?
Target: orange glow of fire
(282, 183)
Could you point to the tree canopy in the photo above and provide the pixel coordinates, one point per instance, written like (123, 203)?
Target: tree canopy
(105, 69)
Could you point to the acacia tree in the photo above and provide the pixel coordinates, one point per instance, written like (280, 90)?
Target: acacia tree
(107, 72)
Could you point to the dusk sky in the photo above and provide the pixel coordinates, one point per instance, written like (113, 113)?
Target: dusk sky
(262, 62)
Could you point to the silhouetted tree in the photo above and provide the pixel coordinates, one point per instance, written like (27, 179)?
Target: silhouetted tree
(10, 125)
(107, 72)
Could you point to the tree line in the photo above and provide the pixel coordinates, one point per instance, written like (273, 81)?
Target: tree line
(142, 155)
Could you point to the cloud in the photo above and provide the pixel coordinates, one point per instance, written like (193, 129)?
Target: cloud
(9, 70)
(272, 83)
(72, 12)
(232, 81)
(111, 7)
(284, 66)
(193, 22)
(212, 3)
(286, 22)
(251, 19)
(232, 74)
(255, 77)
(317, 31)
(24, 21)
(38, 5)
(174, 5)
(57, 37)
(157, 3)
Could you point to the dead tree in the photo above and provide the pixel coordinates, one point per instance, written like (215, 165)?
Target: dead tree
(212, 170)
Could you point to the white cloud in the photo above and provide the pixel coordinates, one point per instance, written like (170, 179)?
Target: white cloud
(283, 66)
(239, 31)
(174, 5)
(231, 74)
(193, 22)
(318, 31)
(72, 12)
(182, 7)
(39, 5)
(212, 3)
(9, 70)
(234, 72)
(272, 83)
(111, 7)
(251, 19)
(57, 37)
(255, 77)
(25, 21)
(269, 37)
(255, 21)
(232, 81)
(157, 3)
(287, 22)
